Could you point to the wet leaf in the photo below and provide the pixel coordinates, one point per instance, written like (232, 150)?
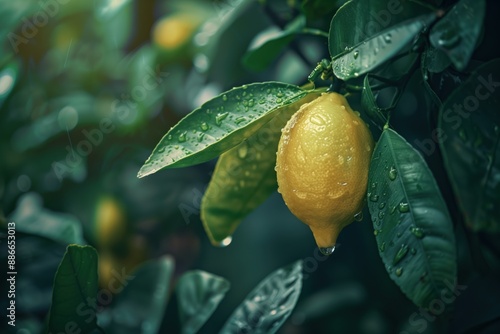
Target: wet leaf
(470, 123)
(357, 21)
(413, 228)
(244, 177)
(75, 286)
(458, 32)
(376, 50)
(199, 293)
(220, 124)
(267, 307)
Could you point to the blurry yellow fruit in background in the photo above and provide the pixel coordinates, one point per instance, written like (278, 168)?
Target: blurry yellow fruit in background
(174, 31)
(111, 222)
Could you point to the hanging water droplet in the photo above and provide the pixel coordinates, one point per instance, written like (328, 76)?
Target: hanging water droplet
(355, 54)
(220, 117)
(417, 232)
(204, 126)
(358, 216)
(403, 250)
(327, 250)
(226, 242)
(393, 173)
(403, 207)
(399, 271)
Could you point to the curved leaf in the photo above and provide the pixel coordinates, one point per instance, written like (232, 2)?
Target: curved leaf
(269, 46)
(412, 225)
(470, 122)
(371, 53)
(140, 307)
(244, 177)
(199, 293)
(267, 307)
(369, 103)
(357, 21)
(220, 124)
(75, 286)
(458, 32)
(434, 60)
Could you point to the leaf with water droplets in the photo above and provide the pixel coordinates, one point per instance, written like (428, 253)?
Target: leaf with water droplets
(230, 117)
(244, 177)
(266, 308)
(355, 21)
(268, 45)
(140, 307)
(470, 145)
(75, 284)
(376, 50)
(414, 229)
(457, 33)
(198, 295)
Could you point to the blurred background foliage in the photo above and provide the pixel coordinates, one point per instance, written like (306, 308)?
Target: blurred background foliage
(87, 88)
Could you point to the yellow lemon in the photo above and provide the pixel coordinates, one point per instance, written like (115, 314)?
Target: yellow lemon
(111, 222)
(322, 166)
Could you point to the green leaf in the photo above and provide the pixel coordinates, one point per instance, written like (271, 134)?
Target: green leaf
(244, 177)
(269, 46)
(220, 124)
(140, 307)
(434, 60)
(372, 52)
(267, 307)
(199, 293)
(357, 21)
(470, 125)
(411, 222)
(369, 103)
(31, 218)
(458, 32)
(75, 287)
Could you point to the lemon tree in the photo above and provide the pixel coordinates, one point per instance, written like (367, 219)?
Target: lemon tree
(326, 166)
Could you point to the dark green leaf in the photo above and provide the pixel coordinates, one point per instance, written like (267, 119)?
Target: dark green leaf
(357, 21)
(371, 53)
(411, 222)
(268, 306)
(199, 293)
(435, 60)
(75, 287)
(369, 103)
(220, 124)
(470, 123)
(32, 218)
(244, 177)
(260, 56)
(140, 307)
(458, 32)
